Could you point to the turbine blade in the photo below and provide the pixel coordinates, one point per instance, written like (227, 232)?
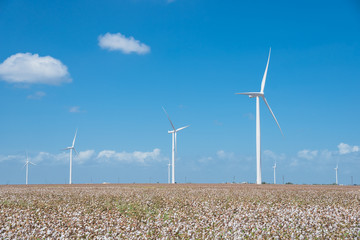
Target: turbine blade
(265, 74)
(168, 118)
(272, 114)
(74, 138)
(77, 154)
(249, 93)
(32, 163)
(182, 128)
(64, 149)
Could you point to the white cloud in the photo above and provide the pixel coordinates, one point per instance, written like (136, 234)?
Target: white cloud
(326, 154)
(51, 158)
(249, 116)
(84, 156)
(205, 159)
(74, 109)
(346, 148)
(37, 95)
(119, 42)
(268, 154)
(63, 157)
(137, 156)
(307, 154)
(4, 158)
(27, 68)
(294, 162)
(218, 123)
(221, 154)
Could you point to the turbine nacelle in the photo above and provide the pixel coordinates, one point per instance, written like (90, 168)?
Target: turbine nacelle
(179, 129)
(252, 94)
(27, 163)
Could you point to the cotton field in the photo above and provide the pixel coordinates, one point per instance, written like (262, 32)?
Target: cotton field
(182, 211)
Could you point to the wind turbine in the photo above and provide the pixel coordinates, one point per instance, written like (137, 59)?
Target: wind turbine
(258, 95)
(27, 167)
(169, 164)
(336, 172)
(274, 167)
(174, 149)
(71, 148)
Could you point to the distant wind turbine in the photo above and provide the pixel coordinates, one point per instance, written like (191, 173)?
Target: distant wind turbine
(336, 172)
(27, 168)
(169, 165)
(71, 148)
(174, 148)
(274, 172)
(257, 95)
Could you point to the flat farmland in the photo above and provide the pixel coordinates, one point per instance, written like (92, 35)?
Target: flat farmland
(181, 211)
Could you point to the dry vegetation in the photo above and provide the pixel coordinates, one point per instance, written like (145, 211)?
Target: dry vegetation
(228, 211)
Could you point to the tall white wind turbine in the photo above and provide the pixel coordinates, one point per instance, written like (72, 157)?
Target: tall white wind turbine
(71, 155)
(336, 172)
(27, 168)
(274, 167)
(258, 95)
(174, 149)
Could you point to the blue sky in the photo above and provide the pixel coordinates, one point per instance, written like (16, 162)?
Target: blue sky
(108, 67)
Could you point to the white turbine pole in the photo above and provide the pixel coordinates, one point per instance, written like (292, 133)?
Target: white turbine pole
(70, 180)
(27, 169)
(169, 172)
(274, 173)
(258, 143)
(336, 172)
(71, 156)
(258, 136)
(173, 158)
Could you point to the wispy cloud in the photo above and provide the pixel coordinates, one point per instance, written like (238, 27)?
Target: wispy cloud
(137, 156)
(27, 68)
(268, 154)
(119, 42)
(321, 157)
(88, 156)
(37, 95)
(249, 116)
(85, 156)
(307, 154)
(16, 157)
(206, 159)
(49, 158)
(221, 154)
(346, 148)
(218, 123)
(75, 109)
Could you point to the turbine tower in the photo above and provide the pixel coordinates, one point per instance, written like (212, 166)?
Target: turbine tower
(169, 165)
(174, 149)
(258, 95)
(274, 172)
(336, 172)
(27, 168)
(71, 148)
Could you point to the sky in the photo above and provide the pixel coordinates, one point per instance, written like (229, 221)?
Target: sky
(108, 67)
